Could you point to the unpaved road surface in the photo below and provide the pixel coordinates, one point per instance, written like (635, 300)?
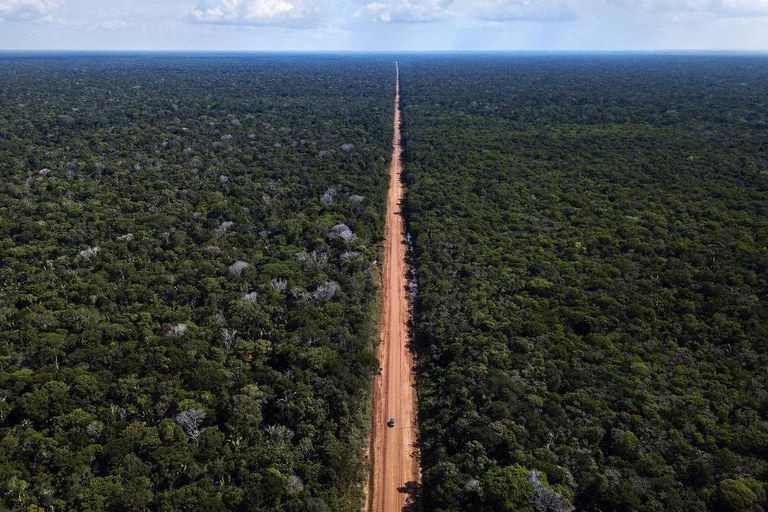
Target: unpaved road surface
(393, 451)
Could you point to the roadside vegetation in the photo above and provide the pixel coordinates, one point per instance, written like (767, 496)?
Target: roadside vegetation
(589, 240)
(187, 262)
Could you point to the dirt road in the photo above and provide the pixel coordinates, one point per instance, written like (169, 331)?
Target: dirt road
(393, 451)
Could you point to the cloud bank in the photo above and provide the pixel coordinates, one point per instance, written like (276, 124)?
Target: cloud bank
(730, 8)
(25, 10)
(384, 24)
(256, 12)
(427, 11)
(525, 10)
(408, 11)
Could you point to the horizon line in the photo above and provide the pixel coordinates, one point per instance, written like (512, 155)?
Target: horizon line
(383, 52)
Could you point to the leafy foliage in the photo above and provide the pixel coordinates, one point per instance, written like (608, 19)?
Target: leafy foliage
(164, 343)
(589, 238)
(508, 489)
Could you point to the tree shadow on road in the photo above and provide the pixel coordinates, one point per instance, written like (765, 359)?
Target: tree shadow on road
(413, 490)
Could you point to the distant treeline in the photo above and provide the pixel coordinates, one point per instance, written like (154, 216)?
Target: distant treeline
(590, 238)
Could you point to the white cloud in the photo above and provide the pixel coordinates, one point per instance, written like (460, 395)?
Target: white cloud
(663, 5)
(257, 12)
(734, 8)
(384, 24)
(25, 10)
(742, 7)
(524, 10)
(421, 11)
(409, 11)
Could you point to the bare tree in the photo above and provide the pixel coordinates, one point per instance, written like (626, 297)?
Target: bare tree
(90, 252)
(228, 338)
(343, 231)
(191, 420)
(326, 291)
(94, 429)
(237, 267)
(294, 485)
(224, 227)
(328, 196)
(317, 260)
(544, 498)
(280, 285)
(178, 329)
(350, 255)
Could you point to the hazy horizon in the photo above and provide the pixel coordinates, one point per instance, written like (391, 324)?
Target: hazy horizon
(203, 52)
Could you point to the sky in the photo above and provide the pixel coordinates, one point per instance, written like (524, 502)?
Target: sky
(384, 25)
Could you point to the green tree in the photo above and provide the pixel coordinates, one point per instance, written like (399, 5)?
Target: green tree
(508, 489)
(738, 495)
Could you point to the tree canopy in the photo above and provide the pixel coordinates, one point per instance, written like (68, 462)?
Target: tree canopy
(589, 243)
(181, 328)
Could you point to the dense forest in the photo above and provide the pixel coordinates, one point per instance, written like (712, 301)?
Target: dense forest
(590, 241)
(188, 251)
(189, 280)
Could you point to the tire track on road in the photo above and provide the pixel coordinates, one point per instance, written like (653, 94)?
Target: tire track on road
(393, 451)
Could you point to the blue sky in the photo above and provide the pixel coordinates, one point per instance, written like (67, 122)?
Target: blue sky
(390, 25)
